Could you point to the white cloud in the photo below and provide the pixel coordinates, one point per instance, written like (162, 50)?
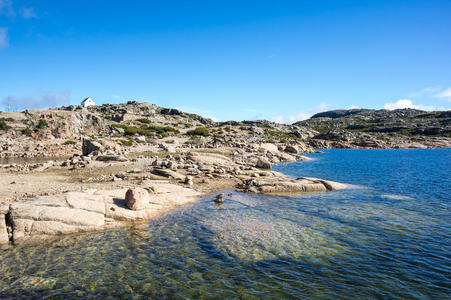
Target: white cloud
(4, 42)
(406, 103)
(444, 94)
(43, 100)
(301, 115)
(353, 106)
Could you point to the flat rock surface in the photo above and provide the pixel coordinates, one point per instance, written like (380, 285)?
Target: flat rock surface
(85, 211)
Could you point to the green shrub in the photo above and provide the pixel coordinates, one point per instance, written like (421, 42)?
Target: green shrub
(128, 142)
(143, 120)
(70, 142)
(42, 124)
(146, 130)
(26, 131)
(7, 119)
(3, 125)
(200, 131)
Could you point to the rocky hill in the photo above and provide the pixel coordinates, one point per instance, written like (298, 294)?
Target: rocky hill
(59, 131)
(131, 126)
(370, 128)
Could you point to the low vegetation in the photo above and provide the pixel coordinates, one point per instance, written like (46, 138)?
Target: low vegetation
(3, 125)
(199, 131)
(149, 130)
(42, 124)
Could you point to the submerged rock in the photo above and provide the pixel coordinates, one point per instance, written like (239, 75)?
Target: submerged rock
(137, 198)
(253, 235)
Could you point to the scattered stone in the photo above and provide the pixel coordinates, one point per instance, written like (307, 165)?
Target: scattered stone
(189, 180)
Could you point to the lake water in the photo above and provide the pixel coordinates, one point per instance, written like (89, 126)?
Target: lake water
(390, 238)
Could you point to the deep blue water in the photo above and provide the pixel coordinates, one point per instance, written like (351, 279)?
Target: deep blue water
(388, 238)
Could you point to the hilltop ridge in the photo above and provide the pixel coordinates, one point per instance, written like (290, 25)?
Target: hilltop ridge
(132, 123)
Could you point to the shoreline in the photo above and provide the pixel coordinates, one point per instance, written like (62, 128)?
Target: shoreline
(100, 205)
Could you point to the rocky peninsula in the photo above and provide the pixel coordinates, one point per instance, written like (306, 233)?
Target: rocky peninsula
(68, 169)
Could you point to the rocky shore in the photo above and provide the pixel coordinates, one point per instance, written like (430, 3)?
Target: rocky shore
(88, 192)
(69, 169)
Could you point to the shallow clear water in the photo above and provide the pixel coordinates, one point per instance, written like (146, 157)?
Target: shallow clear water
(390, 238)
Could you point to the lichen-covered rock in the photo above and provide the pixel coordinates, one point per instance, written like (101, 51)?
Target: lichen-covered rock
(137, 198)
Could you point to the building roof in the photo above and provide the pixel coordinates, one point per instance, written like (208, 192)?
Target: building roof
(87, 99)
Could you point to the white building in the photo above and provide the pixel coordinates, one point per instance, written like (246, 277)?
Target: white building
(88, 102)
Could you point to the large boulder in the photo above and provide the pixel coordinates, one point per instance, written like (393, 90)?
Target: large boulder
(269, 147)
(89, 146)
(263, 163)
(291, 149)
(137, 198)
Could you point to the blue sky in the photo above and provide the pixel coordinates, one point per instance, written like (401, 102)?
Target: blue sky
(276, 60)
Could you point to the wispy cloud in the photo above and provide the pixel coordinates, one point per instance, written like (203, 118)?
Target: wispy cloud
(4, 41)
(44, 99)
(28, 13)
(407, 103)
(446, 94)
(424, 92)
(6, 8)
(301, 115)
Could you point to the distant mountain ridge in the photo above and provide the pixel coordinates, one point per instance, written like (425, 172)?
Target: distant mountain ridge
(409, 122)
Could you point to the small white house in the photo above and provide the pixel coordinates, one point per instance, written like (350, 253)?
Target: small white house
(88, 102)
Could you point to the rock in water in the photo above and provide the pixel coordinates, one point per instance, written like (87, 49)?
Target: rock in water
(219, 198)
(137, 198)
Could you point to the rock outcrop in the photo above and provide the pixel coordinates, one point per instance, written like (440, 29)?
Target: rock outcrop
(283, 185)
(70, 212)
